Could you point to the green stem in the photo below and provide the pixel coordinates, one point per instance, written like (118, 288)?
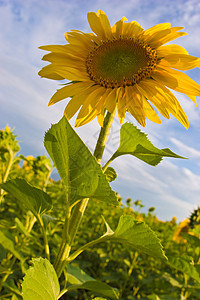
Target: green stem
(78, 211)
(46, 245)
(68, 240)
(103, 136)
(104, 168)
(86, 246)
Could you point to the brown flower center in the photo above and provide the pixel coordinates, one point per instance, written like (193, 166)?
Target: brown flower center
(121, 62)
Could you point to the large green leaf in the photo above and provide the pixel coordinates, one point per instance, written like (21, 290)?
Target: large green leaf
(131, 233)
(30, 197)
(138, 235)
(136, 143)
(40, 281)
(186, 265)
(78, 168)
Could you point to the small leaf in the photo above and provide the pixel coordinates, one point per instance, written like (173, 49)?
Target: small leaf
(40, 281)
(139, 236)
(96, 287)
(172, 280)
(77, 167)
(132, 233)
(9, 245)
(111, 174)
(136, 143)
(184, 264)
(30, 197)
(77, 276)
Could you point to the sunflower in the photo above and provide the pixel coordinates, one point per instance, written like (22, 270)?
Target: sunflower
(123, 67)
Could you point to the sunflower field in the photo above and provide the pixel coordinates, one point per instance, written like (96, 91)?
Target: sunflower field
(32, 214)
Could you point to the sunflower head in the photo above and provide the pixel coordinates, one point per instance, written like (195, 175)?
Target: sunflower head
(122, 66)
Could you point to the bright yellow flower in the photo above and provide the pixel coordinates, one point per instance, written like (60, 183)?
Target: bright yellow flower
(122, 65)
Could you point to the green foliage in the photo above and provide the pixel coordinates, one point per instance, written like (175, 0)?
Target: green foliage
(186, 265)
(122, 261)
(8, 142)
(77, 167)
(33, 199)
(40, 281)
(136, 143)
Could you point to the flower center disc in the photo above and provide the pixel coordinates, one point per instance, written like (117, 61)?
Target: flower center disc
(121, 62)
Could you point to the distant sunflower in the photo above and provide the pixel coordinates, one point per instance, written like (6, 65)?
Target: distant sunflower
(122, 65)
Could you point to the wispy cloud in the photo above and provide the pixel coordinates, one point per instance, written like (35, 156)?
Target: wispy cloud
(185, 149)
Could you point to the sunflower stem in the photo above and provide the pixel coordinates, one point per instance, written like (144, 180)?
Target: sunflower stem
(104, 168)
(103, 136)
(72, 222)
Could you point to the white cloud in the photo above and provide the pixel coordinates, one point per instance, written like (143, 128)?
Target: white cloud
(167, 185)
(190, 152)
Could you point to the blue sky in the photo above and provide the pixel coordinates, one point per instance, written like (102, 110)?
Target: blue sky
(173, 187)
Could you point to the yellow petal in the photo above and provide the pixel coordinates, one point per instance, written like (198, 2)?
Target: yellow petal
(63, 59)
(134, 104)
(148, 109)
(156, 36)
(105, 24)
(50, 73)
(150, 112)
(118, 27)
(80, 39)
(73, 106)
(193, 98)
(131, 29)
(101, 107)
(100, 118)
(88, 118)
(90, 106)
(167, 101)
(76, 102)
(54, 48)
(72, 73)
(167, 38)
(69, 91)
(121, 104)
(96, 25)
(170, 49)
(177, 81)
(134, 28)
(180, 61)
(111, 100)
(147, 88)
(155, 29)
